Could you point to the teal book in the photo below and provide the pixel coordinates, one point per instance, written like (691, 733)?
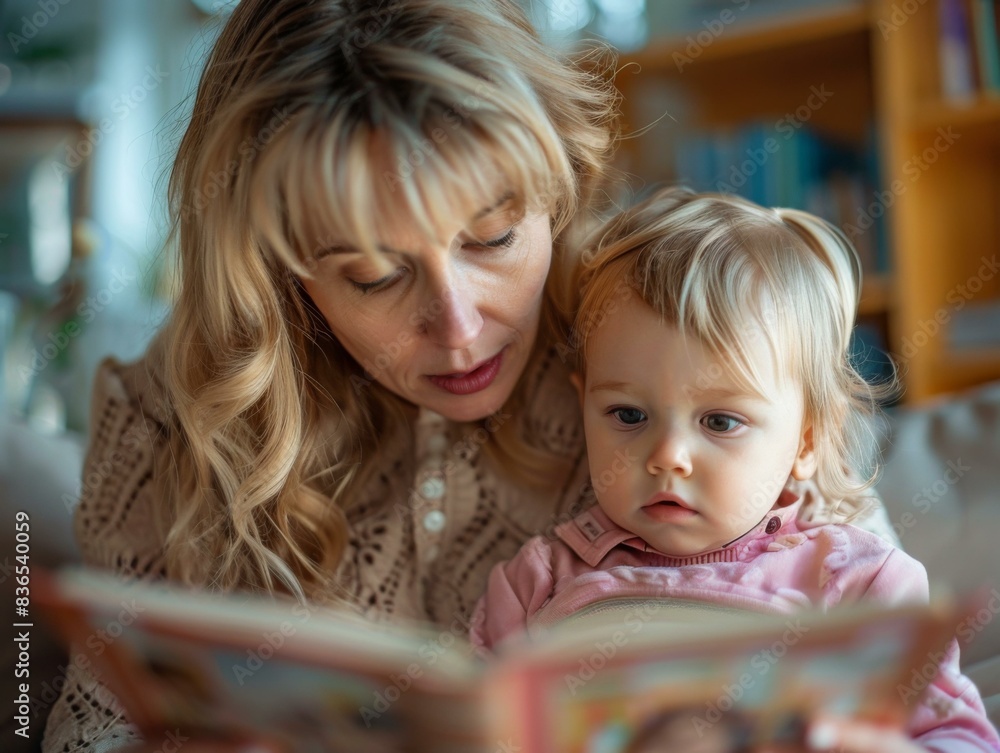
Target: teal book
(984, 20)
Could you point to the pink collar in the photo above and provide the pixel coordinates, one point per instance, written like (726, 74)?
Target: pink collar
(592, 534)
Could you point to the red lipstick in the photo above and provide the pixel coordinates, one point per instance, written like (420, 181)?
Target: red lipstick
(470, 382)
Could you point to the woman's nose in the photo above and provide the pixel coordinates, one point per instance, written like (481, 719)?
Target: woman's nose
(669, 454)
(452, 319)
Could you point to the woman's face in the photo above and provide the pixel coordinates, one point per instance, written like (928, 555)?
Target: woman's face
(450, 325)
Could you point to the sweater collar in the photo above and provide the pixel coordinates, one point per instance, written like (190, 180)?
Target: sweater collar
(592, 534)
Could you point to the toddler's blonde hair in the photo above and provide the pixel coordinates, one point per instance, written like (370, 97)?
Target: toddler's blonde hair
(725, 270)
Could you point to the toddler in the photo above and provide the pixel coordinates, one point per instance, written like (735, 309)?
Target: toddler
(714, 379)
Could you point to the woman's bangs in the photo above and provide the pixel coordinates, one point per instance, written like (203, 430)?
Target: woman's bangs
(312, 191)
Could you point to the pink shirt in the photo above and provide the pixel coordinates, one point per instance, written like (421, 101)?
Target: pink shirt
(781, 566)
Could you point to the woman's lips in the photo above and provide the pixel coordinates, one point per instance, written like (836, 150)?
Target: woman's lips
(473, 381)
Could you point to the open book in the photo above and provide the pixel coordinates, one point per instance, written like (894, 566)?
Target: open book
(627, 676)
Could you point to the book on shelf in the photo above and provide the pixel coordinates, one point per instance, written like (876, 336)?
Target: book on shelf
(629, 675)
(955, 51)
(984, 24)
(787, 164)
(975, 325)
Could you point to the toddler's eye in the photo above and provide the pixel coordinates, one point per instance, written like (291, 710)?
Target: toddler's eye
(721, 423)
(628, 416)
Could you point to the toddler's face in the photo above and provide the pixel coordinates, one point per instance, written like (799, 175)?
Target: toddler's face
(680, 454)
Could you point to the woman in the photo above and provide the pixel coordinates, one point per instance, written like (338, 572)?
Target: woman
(362, 395)
(358, 397)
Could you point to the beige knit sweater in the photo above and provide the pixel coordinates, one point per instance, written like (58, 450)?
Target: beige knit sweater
(424, 535)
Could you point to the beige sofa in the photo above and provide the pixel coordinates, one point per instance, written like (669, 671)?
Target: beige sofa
(941, 486)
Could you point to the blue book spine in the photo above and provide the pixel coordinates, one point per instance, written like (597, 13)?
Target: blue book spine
(955, 51)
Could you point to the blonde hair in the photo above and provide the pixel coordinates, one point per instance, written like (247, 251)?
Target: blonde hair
(725, 270)
(270, 435)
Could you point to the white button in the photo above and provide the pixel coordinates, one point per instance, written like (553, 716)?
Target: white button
(437, 443)
(432, 488)
(434, 521)
(432, 553)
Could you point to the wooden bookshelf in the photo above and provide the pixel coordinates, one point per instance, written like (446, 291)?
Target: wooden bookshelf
(941, 224)
(947, 155)
(768, 38)
(876, 295)
(980, 116)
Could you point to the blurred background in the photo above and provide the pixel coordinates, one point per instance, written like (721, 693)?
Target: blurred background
(820, 104)
(807, 103)
(881, 115)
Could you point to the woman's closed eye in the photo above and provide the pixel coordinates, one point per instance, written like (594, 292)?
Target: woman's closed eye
(382, 283)
(506, 240)
(721, 423)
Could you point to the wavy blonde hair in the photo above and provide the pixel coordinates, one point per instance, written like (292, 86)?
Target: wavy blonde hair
(725, 270)
(269, 435)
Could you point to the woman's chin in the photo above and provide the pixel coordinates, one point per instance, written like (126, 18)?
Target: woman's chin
(468, 408)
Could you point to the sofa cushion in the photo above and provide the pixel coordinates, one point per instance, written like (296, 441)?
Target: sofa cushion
(941, 486)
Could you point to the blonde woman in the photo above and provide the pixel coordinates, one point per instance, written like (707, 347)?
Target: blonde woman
(362, 395)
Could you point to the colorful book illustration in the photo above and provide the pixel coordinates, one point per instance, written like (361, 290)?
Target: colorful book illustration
(630, 675)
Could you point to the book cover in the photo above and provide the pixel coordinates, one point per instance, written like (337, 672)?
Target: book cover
(612, 679)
